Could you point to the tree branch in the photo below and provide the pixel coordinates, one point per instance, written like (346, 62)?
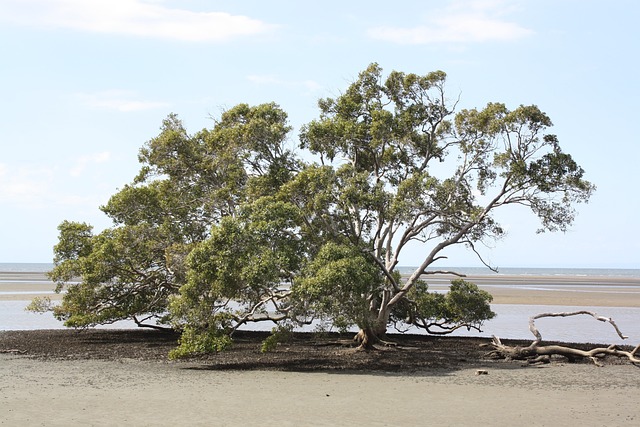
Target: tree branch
(536, 353)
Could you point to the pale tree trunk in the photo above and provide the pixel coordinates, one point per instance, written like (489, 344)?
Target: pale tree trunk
(376, 330)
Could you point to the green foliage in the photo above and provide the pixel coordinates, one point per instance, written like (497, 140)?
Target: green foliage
(74, 241)
(74, 244)
(186, 185)
(123, 275)
(229, 226)
(279, 334)
(465, 305)
(236, 275)
(337, 284)
(194, 343)
(40, 305)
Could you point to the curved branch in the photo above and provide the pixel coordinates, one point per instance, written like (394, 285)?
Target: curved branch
(453, 273)
(536, 353)
(473, 248)
(141, 324)
(536, 333)
(443, 328)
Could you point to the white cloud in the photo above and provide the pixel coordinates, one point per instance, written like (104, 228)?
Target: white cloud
(24, 186)
(84, 161)
(43, 188)
(309, 86)
(462, 22)
(119, 100)
(131, 17)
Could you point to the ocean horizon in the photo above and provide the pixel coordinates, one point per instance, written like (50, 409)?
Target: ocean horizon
(43, 267)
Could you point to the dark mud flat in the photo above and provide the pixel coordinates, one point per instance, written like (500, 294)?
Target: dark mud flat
(304, 352)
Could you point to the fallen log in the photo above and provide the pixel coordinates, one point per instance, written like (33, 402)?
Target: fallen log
(537, 353)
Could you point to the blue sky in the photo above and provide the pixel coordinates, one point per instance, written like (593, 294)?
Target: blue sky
(84, 83)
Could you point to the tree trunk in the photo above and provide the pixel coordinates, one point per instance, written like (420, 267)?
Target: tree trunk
(376, 325)
(368, 336)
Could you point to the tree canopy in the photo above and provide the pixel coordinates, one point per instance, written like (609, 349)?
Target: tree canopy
(229, 226)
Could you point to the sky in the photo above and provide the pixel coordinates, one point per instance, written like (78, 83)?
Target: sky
(85, 83)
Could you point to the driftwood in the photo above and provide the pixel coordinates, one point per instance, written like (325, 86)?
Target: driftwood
(537, 353)
(13, 351)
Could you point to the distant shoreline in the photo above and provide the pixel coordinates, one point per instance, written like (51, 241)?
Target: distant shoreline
(595, 291)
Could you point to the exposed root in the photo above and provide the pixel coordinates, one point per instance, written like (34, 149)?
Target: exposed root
(367, 339)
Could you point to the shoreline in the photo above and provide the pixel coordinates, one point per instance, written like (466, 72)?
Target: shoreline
(593, 291)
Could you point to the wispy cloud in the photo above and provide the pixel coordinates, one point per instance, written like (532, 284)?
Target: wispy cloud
(118, 100)
(84, 161)
(24, 186)
(143, 18)
(461, 22)
(309, 86)
(39, 187)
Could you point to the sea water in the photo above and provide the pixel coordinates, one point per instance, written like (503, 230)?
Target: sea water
(535, 271)
(25, 267)
(512, 320)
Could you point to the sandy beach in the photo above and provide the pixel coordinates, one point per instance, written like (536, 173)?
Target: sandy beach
(554, 290)
(129, 392)
(25, 286)
(538, 290)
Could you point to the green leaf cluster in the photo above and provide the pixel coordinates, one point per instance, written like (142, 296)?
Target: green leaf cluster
(464, 305)
(338, 283)
(192, 343)
(280, 334)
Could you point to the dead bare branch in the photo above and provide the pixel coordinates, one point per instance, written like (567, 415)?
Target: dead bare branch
(535, 353)
(536, 333)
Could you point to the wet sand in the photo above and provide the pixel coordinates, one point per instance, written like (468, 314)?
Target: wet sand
(555, 290)
(532, 290)
(133, 392)
(129, 392)
(25, 286)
